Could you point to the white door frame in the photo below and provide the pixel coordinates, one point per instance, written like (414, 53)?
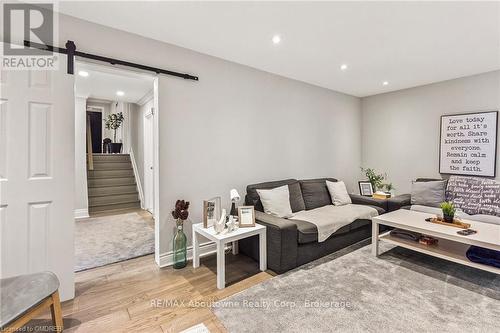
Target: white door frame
(156, 148)
(156, 168)
(149, 146)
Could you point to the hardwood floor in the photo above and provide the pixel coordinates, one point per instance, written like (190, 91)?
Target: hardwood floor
(131, 296)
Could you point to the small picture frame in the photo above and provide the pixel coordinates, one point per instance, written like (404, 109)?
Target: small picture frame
(211, 212)
(365, 188)
(246, 216)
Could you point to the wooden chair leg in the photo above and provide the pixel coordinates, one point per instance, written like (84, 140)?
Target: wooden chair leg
(55, 309)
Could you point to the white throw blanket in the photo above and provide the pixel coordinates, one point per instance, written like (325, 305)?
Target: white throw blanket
(329, 219)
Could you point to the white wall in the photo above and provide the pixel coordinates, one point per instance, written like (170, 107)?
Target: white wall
(137, 135)
(401, 129)
(81, 199)
(236, 126)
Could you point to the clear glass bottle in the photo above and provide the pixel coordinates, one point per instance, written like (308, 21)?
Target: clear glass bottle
(180, 240)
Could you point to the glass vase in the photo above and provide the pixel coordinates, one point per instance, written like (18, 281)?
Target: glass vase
(180, 240)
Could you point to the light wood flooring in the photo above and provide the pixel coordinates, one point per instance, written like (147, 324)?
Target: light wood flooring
(118, 297)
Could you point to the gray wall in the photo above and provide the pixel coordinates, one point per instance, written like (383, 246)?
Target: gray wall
(400, 130)
(236, 126)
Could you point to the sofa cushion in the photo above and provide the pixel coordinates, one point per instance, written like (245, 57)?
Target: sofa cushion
(338, 193)
(465, 193)
(315, 192)
(437, 211)
(276, 201)
(379, 209)
(296, 201)
(428, 193)
(485, 218)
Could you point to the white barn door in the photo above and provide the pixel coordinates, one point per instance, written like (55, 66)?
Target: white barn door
(37, 174)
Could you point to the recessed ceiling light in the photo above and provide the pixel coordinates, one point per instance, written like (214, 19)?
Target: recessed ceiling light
(385, 83)
(276, 39)
(83, 73)
(343, 67)
(120, 93)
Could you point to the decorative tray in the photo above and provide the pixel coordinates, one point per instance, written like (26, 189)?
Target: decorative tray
(456, 223)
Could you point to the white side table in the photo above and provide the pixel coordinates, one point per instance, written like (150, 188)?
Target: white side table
(221, 240)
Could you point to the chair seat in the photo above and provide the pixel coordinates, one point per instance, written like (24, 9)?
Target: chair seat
(18, 294)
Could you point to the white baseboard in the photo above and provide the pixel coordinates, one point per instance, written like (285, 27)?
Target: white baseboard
(167, 259)
(82, 213)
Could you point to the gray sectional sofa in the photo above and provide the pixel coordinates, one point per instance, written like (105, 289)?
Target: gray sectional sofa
(291, 243)
(477, 199)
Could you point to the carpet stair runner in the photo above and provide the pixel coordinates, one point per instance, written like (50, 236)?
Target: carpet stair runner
(112, 185)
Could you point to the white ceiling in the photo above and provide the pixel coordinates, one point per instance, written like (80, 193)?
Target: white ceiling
(405, 43)
(103, 82)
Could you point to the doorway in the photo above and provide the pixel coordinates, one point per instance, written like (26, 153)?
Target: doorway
(117, 106)
(95, 126)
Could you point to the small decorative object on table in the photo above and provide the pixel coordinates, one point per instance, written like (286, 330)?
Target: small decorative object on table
(211, 212)
(235, 197)
(220, 225)
(365, 188)
(456, 223)
(180, 213)
(428, 240)
(246, 216)
(377, 184)
(381, 195)
(231, 224)
(448, 211)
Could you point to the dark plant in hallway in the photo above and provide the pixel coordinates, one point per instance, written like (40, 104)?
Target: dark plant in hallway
(180, 214)
(113, 122)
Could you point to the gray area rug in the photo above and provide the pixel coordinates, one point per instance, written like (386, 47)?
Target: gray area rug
(104, 240)
(400, 291)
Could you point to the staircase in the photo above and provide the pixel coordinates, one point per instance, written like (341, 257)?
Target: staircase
(111, 184)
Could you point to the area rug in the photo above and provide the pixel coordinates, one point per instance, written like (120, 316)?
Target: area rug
(104, 240)
(400, 291)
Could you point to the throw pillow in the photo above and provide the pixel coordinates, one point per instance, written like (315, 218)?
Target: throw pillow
(465, 193)
(338, 192)
(428, 193)
(276, 201)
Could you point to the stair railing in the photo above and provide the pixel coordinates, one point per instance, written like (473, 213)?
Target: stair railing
(90, 156)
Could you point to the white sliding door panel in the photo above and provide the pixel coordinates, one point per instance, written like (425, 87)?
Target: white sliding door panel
(3, 139)
(37, 173)
(39, 140)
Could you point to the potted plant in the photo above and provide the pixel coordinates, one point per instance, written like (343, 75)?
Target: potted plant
(113, 122)
(375, 179)
(180, 214)
(448, 211)
(389, 188)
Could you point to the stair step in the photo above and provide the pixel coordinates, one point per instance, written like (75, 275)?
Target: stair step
(112, 190)
(134, 204)
(111, 157)
(113, 199)
(110, 173)
(101, 165)
(104, 182)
